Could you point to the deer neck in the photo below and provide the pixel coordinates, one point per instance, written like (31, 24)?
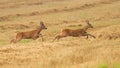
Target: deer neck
(85, 28)
(39, 30)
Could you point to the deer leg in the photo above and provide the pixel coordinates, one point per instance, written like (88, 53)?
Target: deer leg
(85, 34)
(17, 39)
(58, 37)
(35, 36)
(87, 37)
(91, 35)
(42, 37)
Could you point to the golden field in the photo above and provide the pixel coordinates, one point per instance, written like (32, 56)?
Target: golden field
(69, 52)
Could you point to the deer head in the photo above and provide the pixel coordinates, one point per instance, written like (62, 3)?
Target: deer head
(42, 26)
(88, 24)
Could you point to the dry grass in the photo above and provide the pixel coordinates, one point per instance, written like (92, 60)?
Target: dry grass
(110, 32)
(60, 54)
(69, 52)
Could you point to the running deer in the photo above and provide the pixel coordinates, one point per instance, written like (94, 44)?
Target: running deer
(34, 34)
(76, 32)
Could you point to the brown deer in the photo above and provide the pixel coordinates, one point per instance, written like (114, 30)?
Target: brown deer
(34, 34)
(76, 32)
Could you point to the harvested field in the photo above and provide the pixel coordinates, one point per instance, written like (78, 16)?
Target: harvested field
(69, 52)
(110, 32)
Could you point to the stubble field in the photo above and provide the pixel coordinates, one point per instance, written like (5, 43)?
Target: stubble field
(69, 52)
